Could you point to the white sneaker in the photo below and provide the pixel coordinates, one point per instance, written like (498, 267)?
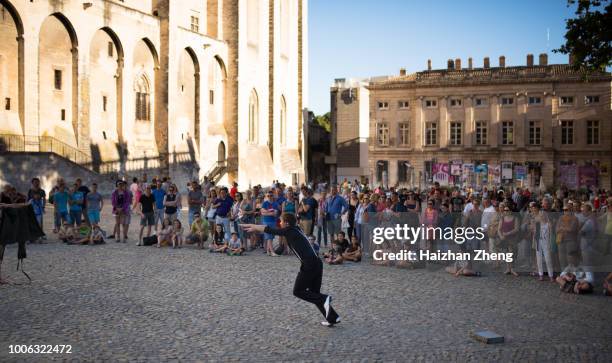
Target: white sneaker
(327, 305)
(327, 324)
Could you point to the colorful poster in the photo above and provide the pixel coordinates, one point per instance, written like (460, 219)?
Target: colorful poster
(568, 175)
(506, 171)
(455, 168)
(494, 177)
(587, 176)
(441, 173)
(482, 173)
(520, 172)
(467, 174)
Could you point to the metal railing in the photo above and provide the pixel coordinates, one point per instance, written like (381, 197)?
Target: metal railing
(18, 143)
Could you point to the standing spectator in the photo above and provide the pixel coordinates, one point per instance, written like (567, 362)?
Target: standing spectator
(60, 202)
(223, 206)
(121, 201)
(85, 190)
(270, 213)
(542, 235)
(37, 202)
(353, 203)
(234, 190)
(567, 235)
(608, 227)
(159, 194)
(95, 203)
(171, 203)
(321, 219)
(336, 207)
(146, 206)
(43, 196)
(195, 200)
(210, 212)
(76, 205)
(306, 211)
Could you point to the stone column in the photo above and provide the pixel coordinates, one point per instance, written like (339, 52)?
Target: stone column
(28, 89)
(230, 35)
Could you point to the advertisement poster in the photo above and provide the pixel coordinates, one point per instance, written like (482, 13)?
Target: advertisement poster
(568, 175)
(467, 174)
(494, 174)
(441, 173)
(482, 173)
(587, 176)
(506, 171)
(520, 172)
(455, 168)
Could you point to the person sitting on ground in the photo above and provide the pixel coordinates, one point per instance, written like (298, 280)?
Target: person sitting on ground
(81, 234)
(235, 246)
(607, 284)
(334, 256)
(462, 268)
(164, 235)
(353, 253)
(313, 242)
(343, 243)
(218, 243)
(574, 279)
(97, 235)
(199, 231)
(177, 234)
(66, 233)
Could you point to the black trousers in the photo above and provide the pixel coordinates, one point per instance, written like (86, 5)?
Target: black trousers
(308, 286)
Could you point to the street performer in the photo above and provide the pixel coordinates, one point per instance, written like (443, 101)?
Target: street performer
(308, 282)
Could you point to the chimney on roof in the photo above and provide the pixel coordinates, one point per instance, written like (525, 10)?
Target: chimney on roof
(529, 60)
(502, 61)
(571, 59)
(458, 64)
(402, 71)
(486, 62)
(543, 59)
(429, 64)
(470, 63)
(450, 65)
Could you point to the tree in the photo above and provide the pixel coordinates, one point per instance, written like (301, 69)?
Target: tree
(589, 36)
(323, 120)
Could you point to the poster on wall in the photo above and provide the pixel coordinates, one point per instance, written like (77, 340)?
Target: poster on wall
(467, 173)
(568, 176)
(494, 174)
(482, 173)
(587, 176)
(520, 172)
(506, 171)
(441, 173)
(455, 168)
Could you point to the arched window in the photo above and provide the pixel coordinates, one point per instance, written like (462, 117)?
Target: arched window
(143, 98)
(283, 121)
(253, 116)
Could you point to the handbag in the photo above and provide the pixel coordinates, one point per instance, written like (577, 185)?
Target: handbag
(149, 241)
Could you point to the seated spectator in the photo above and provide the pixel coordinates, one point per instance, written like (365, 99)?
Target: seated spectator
(313, 242)
(334, 255)
(164, 235)
(97, 236)
(66, 232)
(608, 285)
(177, 234)
(462, 268)
(235, 246)
(199, 231)
(573, 279)
(353, 253)
(81, 234)
(218, 243)
(343, 243)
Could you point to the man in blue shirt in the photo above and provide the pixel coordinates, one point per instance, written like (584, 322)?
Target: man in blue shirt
(336, 206)
(76, 205)
(158, 194)
(270, 211)
(223, 206)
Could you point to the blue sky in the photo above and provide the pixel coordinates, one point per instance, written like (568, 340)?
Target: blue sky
(362, 38)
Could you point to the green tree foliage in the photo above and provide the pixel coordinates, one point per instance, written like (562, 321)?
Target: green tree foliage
(323, 120)
(589, 35)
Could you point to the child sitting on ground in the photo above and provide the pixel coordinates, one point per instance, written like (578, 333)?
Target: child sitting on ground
(97, 235)
(314, 244)
(235, 247)
(177, 234)
(164, 236)
(334, 255)
(574, 279)
(353, 253)
(199, 231)
(66, 233)
(218, 243)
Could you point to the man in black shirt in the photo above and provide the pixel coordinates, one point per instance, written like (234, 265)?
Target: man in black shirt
(308, 282)
(147, 213)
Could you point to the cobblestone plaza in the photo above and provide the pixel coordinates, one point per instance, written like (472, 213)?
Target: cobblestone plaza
(120, 302)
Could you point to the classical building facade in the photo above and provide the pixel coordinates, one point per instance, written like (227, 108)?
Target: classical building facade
(534, 125)
(189, 88)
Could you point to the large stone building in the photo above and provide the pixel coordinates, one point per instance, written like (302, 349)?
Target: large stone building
(190, 87)
(535, 125)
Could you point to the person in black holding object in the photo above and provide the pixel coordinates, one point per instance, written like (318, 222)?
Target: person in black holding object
(308, 282)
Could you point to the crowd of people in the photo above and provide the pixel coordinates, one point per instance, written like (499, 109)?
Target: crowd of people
(564, 230)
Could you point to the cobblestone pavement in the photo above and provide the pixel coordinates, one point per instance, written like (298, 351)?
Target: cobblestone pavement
(120, 302)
